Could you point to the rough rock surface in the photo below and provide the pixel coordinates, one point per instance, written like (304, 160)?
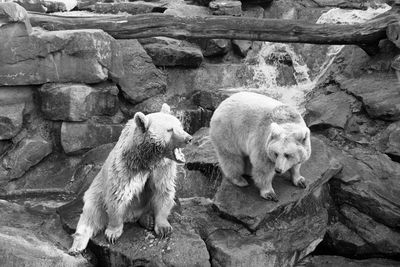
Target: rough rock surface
(334, 261)
(141, 79)
(24, 155)
(138, 246)
(213, 47)
(133, 8)
(322, 111)
(379, 94)
(87, 56)
(78, 102)
(246, 205)
(222, 7)
(48, 5)
(389, 142)
(369, 182)
(38, 240)
(78, 137)
(169, 52)
(242, 47)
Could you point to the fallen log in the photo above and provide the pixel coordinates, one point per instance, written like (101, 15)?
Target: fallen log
(224, 27)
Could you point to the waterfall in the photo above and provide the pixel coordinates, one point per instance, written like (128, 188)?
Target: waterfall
(266, 72)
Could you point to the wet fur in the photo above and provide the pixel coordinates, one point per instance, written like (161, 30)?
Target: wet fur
(135, 179)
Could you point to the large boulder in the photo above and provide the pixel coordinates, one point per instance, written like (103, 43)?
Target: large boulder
(332, 110)
(26, 154)
(389, 140)
(168, 52)
(79, 137)
(13, 101)
(87, 56)
(33, 239)
(48, 5)
(141, 79)
(369, 182)
(78, 102)
(379, 94)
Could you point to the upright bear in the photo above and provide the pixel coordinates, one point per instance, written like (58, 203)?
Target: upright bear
(259, 136)
(137, 177)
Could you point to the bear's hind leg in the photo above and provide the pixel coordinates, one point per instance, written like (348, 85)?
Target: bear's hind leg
(297, 179)
(233, 166)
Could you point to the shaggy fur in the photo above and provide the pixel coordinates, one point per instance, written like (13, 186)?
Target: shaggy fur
(137, 177)
(259, 136)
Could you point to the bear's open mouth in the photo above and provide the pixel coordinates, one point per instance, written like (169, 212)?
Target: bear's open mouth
(178, 156)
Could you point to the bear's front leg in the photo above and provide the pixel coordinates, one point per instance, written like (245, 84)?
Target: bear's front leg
(162, 203)
(115, 221)
(263, 173)
(297, 179)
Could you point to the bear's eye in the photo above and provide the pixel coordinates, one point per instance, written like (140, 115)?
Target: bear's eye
(275, 155)
(170, 130)
(286, 155)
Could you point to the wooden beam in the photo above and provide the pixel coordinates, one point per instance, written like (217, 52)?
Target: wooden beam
(224, 27)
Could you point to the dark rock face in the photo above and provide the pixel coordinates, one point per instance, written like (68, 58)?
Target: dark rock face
(59, 56)
(389, 142)
(141, 79)
(78, 102)
(333, 261)
(132, 8)
(33, 239)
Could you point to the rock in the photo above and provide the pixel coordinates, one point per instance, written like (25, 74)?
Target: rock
(331, 110)
(12, 13)
(4, 146)
(200, 155)
(213, 47)
(26, 154)
(78, 102)
(226, 7)
(53, 172)
(379, 94)
(196, 184)
(78, 137)
(340, 240)
(333, 261)
(285, 75)
(87, 168)
(242, 47)
(246, 205)
(166, 51)
(138, 246)
(48, 6)
(28, 239)
(385, 240)
(133, 8)
(209, 99)
(88, 56)
(193, 119)
(368, 182)
(11, 117)
(141, 79)
(390, 140)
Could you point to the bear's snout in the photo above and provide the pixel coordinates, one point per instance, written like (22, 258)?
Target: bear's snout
(278, 170)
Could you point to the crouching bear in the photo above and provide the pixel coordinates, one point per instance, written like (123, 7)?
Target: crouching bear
(137, 177)
(259, 136)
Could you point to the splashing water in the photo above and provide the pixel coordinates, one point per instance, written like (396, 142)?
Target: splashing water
(265, 76)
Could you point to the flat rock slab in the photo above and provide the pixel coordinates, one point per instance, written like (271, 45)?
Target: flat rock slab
(32, 239)
(139, 247)
(246, 206)
(379, 94)
(334, 261)
(133, 8)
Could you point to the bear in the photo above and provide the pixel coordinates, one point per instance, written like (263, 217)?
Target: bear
(137, 178)
(258, 136)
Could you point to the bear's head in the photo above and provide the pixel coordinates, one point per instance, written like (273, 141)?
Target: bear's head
(288, 145)
(162, 135)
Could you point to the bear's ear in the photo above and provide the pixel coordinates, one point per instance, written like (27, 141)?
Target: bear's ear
(275, 130)
(141, 121)
(165, 109)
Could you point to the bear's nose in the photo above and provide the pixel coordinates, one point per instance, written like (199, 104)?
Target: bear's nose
(188, 139)
(278, 171)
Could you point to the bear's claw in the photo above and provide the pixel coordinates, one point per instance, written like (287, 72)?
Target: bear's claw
(239, 181)
(163, 230)
(113, 234)
(147, 221)
(302, 184)
(270, 196)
